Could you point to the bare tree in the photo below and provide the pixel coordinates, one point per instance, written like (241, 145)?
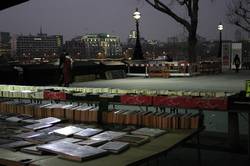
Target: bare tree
(192, 7)
(239, 14)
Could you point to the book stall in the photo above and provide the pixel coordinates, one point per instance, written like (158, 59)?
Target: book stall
(79, 125)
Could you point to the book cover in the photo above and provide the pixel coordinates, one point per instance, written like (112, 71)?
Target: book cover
(152, 132)
(67, 131)
(88, 132)
(108, 135)
(38, 126)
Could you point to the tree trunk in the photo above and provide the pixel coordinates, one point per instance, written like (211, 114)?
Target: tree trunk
(192, 41)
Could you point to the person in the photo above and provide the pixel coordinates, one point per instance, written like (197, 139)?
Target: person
(236, 62)
(65, 66)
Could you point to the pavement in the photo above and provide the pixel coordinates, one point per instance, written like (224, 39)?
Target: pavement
(227, 82)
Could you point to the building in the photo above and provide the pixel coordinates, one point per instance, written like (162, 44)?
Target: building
(105, 44)
(75, 47)
(13, 44)
(5, 44)
(40, 45)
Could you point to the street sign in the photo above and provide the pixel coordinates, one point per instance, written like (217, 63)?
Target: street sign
(247, 88)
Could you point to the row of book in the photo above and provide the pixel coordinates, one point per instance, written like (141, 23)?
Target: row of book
(34, 92)
(71, 112)
(162, 120)
(89, 114)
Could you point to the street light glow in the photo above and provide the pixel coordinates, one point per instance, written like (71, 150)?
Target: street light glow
(220, 27)
(136, 14)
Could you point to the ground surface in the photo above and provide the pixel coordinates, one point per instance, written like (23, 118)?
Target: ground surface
(229, 81)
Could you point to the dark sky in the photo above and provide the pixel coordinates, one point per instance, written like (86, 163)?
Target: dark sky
(77, 17)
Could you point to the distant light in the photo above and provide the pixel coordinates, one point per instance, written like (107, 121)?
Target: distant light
(136, 14)
(107, 35)
(37, 38)
(220, 27)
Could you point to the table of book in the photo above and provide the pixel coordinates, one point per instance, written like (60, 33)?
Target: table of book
(132, 156)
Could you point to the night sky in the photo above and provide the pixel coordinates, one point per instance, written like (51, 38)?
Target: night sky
(78, 17)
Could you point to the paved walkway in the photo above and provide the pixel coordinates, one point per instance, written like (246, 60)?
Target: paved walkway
(227, 82)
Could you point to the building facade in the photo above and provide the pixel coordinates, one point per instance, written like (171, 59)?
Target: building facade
(75, 47)
(40, 45)
(102, 44)
(5, 44)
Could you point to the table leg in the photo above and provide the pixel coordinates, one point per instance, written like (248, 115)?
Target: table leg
(249, 135)
(233, 130)
(199, 150)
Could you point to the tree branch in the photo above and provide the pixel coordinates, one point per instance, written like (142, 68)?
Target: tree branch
(157, 4)
(242, 26)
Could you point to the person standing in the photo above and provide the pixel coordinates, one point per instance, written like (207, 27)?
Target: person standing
(65, 66)
(236, 62)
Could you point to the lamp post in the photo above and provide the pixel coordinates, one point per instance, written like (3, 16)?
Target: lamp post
(137, 55)
(220, 28)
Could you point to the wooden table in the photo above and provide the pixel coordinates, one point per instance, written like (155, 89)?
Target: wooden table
(133, 156)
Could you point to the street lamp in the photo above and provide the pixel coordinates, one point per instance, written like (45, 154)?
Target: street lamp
(138, 55)
(220, 28)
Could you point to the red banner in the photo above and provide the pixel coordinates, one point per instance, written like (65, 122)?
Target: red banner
(191, 102)
(136, 100)
(49, 95)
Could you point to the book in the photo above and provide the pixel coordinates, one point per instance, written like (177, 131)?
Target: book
(29, 121)
(50, 130)
(108, 135)
(134, 140)
(49, 120)
(71, 140)
(44, 138)
(15, 119)
(38, 126)
(67, 131)
(81, 153)
(14, 146)
(115, 146)
(32, 150)
(28, 135)
(72, 151)
(5, 141)
(91, 142)
(152, 132)
(88, 132)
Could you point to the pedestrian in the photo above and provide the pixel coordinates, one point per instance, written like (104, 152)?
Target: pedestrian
(236, 62)
(65, 66)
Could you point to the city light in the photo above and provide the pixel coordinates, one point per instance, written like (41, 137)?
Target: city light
(220, 27)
